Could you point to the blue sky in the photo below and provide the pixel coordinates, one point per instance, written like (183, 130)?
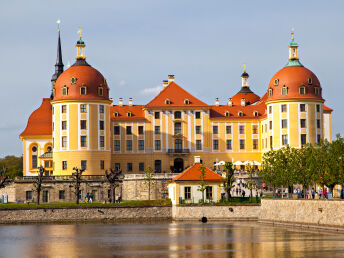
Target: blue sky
(136, 44)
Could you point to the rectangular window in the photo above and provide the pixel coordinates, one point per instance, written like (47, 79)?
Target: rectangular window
(84, 164)
(209, 193)
(102, 164)
(284, 108)
(284, 123)
(270, 125)
(316, 91)
(34, 161)
(229, 144)
(228, 129)
(128, 130)
(198, 115)
(303, 123)
(198, 144)
(255, 129)
(156, 115)
(83, 108)
(318, 108)
(198, 129)
(284, 139)
(157, 129)
(117, 166)
(83, 124)
(101, 109)
(242, 144)
(129, 167)
(129, 145)
(302, 107)
(117, 145)
(215, 129)
(271, 142)
(318, 138)
(141, 144)
(62, 195)
(255, 144)
(28, 195)
(116, 130)
(64, 125)
(101, 141)
(64, 141)
(242, 129)
(101, 125)
(45, 196)
(64, 108)
(215, 144)
(303, 139)
(270, 109)
(266, 128)
(318, 123)
(141, 166)
(302, 90)
(64, 165)
(83, 142)
(140, 130)
(157, 145)
(187, 192)
(157, 165)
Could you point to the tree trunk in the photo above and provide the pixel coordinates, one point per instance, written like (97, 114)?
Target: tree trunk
(77, 195)
(149, 187)
(112, 192)
(203, 196)
(38, 196)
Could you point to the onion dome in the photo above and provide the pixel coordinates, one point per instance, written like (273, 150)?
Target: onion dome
(81, 81)
(294, 81)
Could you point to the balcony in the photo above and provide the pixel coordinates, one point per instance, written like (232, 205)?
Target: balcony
(179, 151)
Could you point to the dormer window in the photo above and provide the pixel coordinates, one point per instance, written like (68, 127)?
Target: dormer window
(83, 90)
(227, 113)
(115, 114)
(240, 113)
(100, 91)
(255, 113)
(316, 91)
(302, 90)
(167, 101)
(284, 90)
(186, 102)
(276, 81)
(270, 92)
(129, 114)
(73, 80)
(64, 91)
(310, 81)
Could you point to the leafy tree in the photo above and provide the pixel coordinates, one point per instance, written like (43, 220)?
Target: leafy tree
(13, 164)
(269, 173)
(3, 177)
(77, 181)
(115, 177)
(229, 179)
(38, 183)
(149, 180)
(202, 184)
(251, 183)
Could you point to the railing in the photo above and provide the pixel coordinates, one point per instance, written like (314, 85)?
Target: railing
(178, 150)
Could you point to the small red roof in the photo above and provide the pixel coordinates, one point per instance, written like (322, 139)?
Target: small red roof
(40, 121)
(176, 96)
(136, 111)
(219, 112)
(193, 173)
(326, 108)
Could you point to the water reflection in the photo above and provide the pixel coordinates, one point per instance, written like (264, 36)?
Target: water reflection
(239, 239)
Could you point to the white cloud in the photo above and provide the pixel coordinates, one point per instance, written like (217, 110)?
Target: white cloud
(151, 91)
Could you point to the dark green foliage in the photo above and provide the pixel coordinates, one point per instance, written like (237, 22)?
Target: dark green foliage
(13, 164)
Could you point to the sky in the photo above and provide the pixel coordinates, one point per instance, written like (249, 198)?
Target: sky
(136, 44)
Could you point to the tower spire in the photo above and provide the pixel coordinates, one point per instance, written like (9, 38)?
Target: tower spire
(59, 64)
(293, 57)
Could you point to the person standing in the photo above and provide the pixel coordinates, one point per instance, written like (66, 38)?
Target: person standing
(313, 193)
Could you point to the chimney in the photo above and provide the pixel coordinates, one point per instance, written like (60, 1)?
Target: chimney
(164, 84)
(229, 102)
(130, 102)
(120, 102)
(217, 102)
(197, 159)
(170, 78)
(243, 103)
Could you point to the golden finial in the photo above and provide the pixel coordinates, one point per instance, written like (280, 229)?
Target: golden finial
(80, 32)
(244, 66)
(292, 34)
(68, 64)
(58, 24)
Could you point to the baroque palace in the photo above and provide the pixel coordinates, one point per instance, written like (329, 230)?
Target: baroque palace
(78, 126)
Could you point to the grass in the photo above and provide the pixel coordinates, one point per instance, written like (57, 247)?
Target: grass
(145, 203)
(232, 201)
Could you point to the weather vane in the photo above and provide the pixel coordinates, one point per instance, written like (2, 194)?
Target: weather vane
(80, 32)
(58, 24)
(244, 66)
(292, 34)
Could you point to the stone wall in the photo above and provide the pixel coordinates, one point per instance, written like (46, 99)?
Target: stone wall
(84, 214)
(216, 212)
(329, 213)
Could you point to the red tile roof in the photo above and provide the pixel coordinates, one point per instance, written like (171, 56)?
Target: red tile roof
(40, 121)
(249, 97)
(219, 112)
(193, 173)
(137, 112)
(176, 95)
(326, 108)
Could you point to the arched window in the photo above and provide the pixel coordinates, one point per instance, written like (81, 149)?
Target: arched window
(255, 113)
(100, 91)
(276, 81)
(177, 115)
(115, 114)
(302, 90)
(310, 81)
(186, 102)
(270, 92)
(34, 156)
(129, 114)
(167, 101)
(284, 91)
(83, 90)
(49, 149)
(227, 113)
(64, 91)
(240, 113)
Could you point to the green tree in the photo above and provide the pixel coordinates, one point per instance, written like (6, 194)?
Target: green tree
(251, 183)
(202, 184)
(270, 173)
(13, 164)
(115, 177)
(229, 179)
(149, 179)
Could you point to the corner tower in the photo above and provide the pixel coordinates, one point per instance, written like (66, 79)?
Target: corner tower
(81, 118)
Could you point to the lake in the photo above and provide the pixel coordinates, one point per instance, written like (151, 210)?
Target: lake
(167, 239)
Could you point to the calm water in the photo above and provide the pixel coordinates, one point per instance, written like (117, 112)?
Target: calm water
(239, 239)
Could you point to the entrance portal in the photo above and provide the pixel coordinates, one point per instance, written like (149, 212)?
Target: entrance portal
(178, 165)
